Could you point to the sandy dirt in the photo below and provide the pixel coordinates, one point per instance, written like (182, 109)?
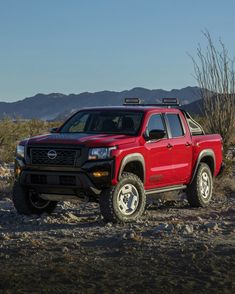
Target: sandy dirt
(172, 249)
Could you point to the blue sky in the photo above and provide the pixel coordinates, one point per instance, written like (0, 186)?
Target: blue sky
(72, 46)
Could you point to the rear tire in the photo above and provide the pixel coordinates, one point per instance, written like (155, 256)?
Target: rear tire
(124, 202)
(28, 202)
(199, 192)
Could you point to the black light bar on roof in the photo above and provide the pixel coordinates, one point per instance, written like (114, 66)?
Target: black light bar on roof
(171, 101)
(132, 101)
(165, 102)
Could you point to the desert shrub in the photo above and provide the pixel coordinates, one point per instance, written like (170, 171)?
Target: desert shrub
(12, 131)
(5, 188)
(224, 186)
(215, 71)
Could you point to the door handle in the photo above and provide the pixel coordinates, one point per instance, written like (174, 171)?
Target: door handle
(169, 146)
(187, 144)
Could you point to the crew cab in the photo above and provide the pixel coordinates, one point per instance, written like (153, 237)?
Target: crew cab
(117, 156)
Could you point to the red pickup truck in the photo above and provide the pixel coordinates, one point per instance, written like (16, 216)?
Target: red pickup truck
(117, 156)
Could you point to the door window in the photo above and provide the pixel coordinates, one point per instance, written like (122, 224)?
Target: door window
(155, 123)
(175, 125)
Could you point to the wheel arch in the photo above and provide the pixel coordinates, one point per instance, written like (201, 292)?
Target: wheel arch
(207, 156)
(134, 163)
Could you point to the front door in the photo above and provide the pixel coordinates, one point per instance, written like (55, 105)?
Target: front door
(159, 153)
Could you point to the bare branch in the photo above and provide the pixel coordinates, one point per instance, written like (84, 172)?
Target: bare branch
(214, 72)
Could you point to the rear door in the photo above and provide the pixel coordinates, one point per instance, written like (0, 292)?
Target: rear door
(181, 148)
(159, 161)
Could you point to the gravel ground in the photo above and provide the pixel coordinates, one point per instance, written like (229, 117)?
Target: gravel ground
(173, 248)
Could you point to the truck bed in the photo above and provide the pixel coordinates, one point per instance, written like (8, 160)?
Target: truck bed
(210, 142)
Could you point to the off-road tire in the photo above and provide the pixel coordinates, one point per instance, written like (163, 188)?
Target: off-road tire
(109, 200)
(194, 190)
(21, 200)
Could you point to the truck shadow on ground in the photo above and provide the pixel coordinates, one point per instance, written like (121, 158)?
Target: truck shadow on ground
(90, 218)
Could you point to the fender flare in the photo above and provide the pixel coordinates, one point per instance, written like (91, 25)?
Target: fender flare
(202, 154)
(130, 158)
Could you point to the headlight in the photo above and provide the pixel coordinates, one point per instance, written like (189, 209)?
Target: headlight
(20, 151)
(100, 153)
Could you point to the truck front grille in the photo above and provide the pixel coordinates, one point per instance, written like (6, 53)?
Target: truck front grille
(59, 157)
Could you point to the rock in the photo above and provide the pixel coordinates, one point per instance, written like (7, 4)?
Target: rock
(146, 224)
(188, 229)
(25, 235)
(4, 236)
(6, 171)
(132, 235)
(205, 247)
(65, 249)
(199, 219)
(178, 226)
(163, 228)
(6, 206)
(212, 226)
(109, 225)
(72, 217)
(128, 235)
(193, 256)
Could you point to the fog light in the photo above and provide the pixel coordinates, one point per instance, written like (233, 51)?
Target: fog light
(99, 174)
(17, 171)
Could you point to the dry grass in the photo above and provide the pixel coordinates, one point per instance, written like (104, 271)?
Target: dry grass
(11, 132)
(5, 188)
(224, 185)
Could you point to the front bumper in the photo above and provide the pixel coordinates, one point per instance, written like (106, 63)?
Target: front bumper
(62, 180)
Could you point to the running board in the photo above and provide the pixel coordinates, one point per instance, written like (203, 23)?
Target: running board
(166, 189)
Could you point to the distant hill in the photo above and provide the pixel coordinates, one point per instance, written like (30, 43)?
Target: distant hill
(196, 107)
(56, 105)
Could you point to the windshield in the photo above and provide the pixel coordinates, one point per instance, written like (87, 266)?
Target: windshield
(104, 121)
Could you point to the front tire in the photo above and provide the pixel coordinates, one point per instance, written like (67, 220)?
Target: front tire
(199, 192)
(28, 202)
(124, 202)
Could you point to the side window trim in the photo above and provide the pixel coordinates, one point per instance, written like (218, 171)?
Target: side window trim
(182, 125)
(167, 125)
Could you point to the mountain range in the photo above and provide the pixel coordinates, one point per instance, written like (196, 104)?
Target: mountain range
(58, 106)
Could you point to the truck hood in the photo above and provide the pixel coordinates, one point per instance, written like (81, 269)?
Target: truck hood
(89, 140)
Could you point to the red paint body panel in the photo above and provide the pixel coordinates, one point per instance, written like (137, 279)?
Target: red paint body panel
(158, 162)
(213, 142)
(171, 166)
(98, 140)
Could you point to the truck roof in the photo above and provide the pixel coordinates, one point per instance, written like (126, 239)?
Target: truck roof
(136, 104)
(133, 108)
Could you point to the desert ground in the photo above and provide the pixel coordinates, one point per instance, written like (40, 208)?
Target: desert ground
(172, 249)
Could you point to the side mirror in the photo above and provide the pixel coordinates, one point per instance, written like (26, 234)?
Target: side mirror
(156, 134)
(53, 130)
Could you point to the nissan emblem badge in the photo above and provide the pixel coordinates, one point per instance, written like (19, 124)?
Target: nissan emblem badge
(52, 154)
